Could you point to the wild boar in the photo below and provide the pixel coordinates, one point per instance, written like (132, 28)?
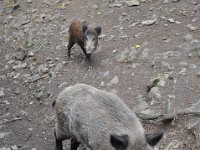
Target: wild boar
(99, 119)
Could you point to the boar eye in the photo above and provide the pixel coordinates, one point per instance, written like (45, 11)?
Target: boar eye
(93, 39)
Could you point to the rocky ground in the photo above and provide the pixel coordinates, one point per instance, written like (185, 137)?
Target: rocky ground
(149, 54)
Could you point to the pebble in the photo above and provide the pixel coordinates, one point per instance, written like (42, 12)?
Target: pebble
(116, 5)
(115, 80)
(131, 3)
(183, 71)
(14, 147)
(29, 1)
(191, 27)
(171, 20)
(149, 22)
(198, 74)
(2, 92)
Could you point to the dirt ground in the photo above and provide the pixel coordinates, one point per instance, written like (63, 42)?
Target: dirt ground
(138, 43)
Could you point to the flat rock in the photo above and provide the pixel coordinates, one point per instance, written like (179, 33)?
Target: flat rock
(131, 3)
(115, 80)
(116, 5)
(171, 20)
(148, 22)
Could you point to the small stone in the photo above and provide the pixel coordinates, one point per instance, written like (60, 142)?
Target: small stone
(29, 1)
(6, 102)
(64, 63)
(116, 5)
(2, 92)
(198, 74)
(149, 22)
(33, 148)
(115, 50)
(151, 8)
(17, 91)
(183, 71)
(31, 54)
(131, 3)
(171, 20)
(30, 129)
(14, 147)
(191, 27)
(102, 84)
(95, 6)
(115, 80)
(172, 96)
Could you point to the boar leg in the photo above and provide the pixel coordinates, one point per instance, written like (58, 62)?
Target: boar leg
(74, 144)
(59, 145)
(70, 45)
(88, 56)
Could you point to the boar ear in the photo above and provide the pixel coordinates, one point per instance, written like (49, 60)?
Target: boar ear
(154, 138)
(85, 27)
(98, 30)
(119, 141)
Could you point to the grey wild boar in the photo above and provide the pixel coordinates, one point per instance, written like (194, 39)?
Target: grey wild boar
(85, 35)
(99, 119)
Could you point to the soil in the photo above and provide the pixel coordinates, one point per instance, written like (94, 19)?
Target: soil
(34, 66)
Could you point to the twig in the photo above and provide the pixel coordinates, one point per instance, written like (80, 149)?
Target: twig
(169, 116)
(15, 119)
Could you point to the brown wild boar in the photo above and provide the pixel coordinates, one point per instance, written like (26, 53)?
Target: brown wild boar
(85, 35)
(99, 119)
